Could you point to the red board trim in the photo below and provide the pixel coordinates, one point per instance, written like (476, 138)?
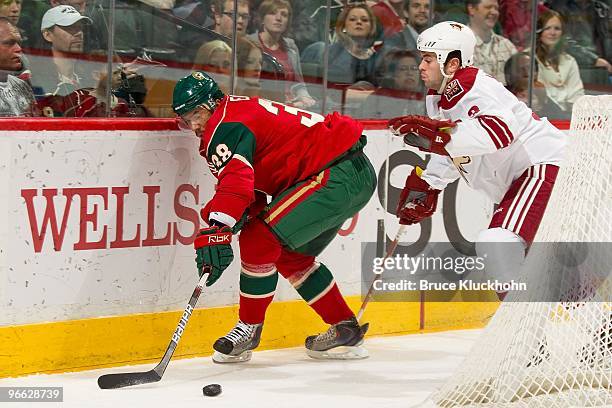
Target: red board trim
(144, 124)
(41, 124)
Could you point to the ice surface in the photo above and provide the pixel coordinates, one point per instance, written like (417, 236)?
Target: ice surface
(401, 371)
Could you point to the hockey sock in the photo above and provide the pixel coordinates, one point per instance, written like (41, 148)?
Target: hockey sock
(320, 291)
(256, 292)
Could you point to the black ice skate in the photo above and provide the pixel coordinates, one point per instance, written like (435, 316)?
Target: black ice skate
(236, 346)
(342, 341)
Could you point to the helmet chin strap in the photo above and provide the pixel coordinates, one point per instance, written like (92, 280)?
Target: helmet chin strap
(445, 80)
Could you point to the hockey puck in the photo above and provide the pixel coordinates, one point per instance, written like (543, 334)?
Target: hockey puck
(211, 390)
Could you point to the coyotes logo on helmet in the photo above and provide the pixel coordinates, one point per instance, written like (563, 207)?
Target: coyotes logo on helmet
(453, 89)
(456, 26)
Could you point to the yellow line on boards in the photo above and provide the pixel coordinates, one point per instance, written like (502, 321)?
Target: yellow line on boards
(142, 338)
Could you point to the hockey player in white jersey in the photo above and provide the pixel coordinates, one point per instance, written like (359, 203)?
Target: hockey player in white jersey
(480, 131)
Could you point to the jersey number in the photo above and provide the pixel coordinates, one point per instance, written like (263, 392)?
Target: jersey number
(307, 118)
(221, 156)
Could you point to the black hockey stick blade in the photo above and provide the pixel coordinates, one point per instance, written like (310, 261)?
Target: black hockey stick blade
(120, 380)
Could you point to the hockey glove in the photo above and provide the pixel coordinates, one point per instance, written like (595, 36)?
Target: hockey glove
(426, 134)
(418, 199)
(213, 251)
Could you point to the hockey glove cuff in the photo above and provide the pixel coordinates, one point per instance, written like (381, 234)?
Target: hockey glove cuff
(213, 252)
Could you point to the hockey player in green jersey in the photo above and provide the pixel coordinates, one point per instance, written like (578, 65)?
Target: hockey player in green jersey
(317, 176)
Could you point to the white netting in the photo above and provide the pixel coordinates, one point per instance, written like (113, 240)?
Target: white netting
(538, 353)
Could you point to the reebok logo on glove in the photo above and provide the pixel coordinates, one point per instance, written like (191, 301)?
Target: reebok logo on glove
(213, 236)
(220, 239)
(213, 251)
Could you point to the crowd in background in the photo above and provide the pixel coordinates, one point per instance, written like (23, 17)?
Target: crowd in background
(54, 53)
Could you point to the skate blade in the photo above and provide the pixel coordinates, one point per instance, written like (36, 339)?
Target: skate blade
(221, 358)
(340, 353)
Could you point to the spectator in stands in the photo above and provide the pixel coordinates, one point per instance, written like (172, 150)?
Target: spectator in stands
(223, 12)
(29, 22)
(354, 52)
(197, 12)
(418, 20)
(62, 28)
(310, 22)
(587, 31)
(95, 35)
(418, 15)
(215, 57)
(66, 89)
(11, 9)
(401, 89)
(275, 18)
(558, 70)
(249, 60)
(492, 50)
(515, 17)
(16, 97)
(402, 72)
(516, 72)
(353, 58)
(391, 15)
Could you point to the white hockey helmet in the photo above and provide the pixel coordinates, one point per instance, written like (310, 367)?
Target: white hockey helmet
(447, 36)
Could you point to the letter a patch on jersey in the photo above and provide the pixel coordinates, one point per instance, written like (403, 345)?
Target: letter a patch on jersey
(453, 89)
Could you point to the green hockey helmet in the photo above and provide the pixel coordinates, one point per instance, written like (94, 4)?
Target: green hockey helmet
(196, 89)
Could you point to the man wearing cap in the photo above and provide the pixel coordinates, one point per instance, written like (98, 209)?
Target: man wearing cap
(62, 28)
(62, 85)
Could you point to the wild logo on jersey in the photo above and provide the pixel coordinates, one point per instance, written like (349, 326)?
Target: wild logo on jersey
(453, 89)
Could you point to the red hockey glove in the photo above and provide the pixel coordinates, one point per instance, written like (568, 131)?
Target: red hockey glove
(426, 134)
(213, 251)
(418, 199)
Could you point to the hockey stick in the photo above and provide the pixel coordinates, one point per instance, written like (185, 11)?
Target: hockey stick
(378, 277)
(459, 169)
(119, 380)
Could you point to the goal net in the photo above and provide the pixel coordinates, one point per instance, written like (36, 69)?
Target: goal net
(552, 346)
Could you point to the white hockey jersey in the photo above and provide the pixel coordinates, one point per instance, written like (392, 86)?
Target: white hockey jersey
(496, 139)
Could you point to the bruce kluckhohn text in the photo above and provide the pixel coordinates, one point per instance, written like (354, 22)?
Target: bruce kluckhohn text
(423, 284)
